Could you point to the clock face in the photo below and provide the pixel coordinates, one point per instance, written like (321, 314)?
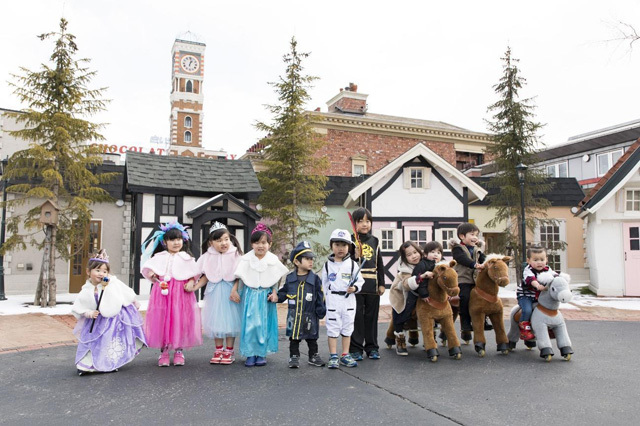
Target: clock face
(190, 63)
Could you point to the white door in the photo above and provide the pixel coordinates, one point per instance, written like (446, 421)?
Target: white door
(631, 237)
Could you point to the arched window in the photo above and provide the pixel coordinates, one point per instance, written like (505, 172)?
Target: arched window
(189, 86)
(187, 136)
(187, 122)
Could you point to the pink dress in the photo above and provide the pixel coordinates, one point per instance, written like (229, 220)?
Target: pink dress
(172, 321)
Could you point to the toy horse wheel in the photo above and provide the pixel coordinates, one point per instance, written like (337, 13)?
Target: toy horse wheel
(567, 357)
(389, 346)
(80, 372)
(505, 352)
(434, 359)
(457, 356)
(481, 353)
(547, 358)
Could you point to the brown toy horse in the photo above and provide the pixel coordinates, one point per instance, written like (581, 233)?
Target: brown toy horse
(443, 285)
(484, 301)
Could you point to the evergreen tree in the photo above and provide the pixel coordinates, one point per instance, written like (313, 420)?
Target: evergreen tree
(515, 140)
(294, 180)
(59, 165)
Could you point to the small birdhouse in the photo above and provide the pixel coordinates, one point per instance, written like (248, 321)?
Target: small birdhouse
(49, 213)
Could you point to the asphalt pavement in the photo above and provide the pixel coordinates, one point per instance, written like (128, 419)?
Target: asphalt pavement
(598, 386)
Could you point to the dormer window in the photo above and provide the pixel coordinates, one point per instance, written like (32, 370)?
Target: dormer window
(358, 165)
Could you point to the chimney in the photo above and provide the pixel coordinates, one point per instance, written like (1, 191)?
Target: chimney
(349, 101)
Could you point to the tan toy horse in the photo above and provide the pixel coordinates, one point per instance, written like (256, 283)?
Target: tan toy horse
(484, 301)
(443, 285)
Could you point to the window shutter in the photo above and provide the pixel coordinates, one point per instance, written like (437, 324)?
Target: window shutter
(426, 178)
(406, 172)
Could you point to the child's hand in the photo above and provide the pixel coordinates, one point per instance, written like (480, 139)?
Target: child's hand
(91, 314)
(427, 274)
(537, 285)
(381, 290)
(357, 252)
(425, 299)
(351, 289)
(136, 304)
(273, 298)
(234, 297)
(479, 265)
(153, 277)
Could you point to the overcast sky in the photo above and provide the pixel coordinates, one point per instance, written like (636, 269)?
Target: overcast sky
(419, 59)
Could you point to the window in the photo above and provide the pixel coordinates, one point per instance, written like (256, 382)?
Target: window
(168, 205)
(554, 262)
(419, 237)
(634, 238)
(633, 200)
(445, 236)
(187, 121)
(416, 178)
(189, 86)
(386, 242)
(187, 136)
(358, 165)
(558, 170)
(358, 170)
(550, 236)
(466, 160)
(607, 160)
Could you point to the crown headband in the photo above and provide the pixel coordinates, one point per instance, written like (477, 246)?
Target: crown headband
(101, 256)
(216, 226)
(149, 246)
(261, 227)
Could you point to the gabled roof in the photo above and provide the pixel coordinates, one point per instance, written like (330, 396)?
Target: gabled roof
(612, 181)
(566, 192)
(188, 175)
(204, 206)
(419, 150)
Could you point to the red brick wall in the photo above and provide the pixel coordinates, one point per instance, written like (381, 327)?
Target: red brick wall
(350, 104)
(380, 150)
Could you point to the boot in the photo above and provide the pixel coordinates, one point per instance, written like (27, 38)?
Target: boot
(525, 331)
(401, 344)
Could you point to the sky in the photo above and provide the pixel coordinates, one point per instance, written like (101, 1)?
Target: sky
(419, 59)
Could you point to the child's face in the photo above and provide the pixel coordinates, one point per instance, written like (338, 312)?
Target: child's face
(340, 249)
(470, 238)
(435, 255)
(174, 246)
(412, 255)
(537, 261)
(97, 274)
(363, 226)
(304, 264)
(261, 247)
(222, 244)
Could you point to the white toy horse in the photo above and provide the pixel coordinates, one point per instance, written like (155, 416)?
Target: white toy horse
(545, 319)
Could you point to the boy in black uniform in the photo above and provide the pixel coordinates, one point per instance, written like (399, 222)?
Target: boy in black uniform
(303, 292)
(365, 333)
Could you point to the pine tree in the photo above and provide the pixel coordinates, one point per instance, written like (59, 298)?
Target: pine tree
(515, 141)
(59, 164)
(294, 180)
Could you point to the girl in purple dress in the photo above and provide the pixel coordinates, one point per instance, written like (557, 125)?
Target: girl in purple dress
(173, 316)
(109, 335)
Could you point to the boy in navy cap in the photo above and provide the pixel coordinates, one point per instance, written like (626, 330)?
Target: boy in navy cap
(303, 292)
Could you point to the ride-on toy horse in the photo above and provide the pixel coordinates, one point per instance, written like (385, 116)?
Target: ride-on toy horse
(484, 301)
(546, 318)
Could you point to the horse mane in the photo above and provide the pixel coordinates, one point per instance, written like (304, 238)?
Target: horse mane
(493, 256)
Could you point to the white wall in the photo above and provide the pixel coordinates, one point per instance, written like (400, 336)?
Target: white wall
(606, 257)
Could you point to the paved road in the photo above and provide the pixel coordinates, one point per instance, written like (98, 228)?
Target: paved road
(599, 386)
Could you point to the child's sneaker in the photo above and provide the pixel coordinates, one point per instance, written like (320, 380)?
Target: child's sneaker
(357, 356)
(217, 356)
(374, 354)
(163, 360)
(401, 344)
(334, 362)
(294, 361)
(227, 357)
(348, 361)
(525, 331)
(316, 361)
(178, 358)
(261, 361)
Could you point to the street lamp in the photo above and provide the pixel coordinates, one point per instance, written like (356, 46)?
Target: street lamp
(3, 167)
(521, 170)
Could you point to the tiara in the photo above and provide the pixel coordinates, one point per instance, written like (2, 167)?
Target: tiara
(261, 227)
(101, 256)
(216, 225)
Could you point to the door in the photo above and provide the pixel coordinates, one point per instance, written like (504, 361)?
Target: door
(631, 237)
(80, 256)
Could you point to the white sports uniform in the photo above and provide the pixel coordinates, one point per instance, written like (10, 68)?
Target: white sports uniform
(341, 307)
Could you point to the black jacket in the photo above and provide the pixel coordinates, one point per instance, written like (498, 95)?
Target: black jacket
(373, 268)
(306, 304)
(422, 267)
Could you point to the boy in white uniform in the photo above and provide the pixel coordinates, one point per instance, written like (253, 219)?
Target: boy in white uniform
(340, 279)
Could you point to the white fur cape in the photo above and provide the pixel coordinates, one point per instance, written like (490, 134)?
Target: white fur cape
(180, 266)
(116, 295)
(260, 273)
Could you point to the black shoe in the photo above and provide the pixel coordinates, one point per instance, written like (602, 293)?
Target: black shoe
(466, 335)
(294, 361)
(487, 325)
(316, 361)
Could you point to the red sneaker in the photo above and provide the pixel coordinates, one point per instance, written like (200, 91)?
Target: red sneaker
(217, 356)
(227, 357)
(525, 331)
(163, 360)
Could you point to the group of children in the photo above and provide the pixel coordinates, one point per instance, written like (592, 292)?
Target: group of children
(242, 291)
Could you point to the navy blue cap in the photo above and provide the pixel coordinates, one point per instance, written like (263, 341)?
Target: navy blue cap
(303, 249)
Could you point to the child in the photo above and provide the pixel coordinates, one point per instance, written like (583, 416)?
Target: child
(433, 253)
(470, 259)
(534, 278)
(403, 293)
(260, 272)
(365, 333)
(303, 292)
(109, 335)
(340, 279)
(222, 313)
(173, 316)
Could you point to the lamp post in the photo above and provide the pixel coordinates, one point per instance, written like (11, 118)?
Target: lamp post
(521, 170)
(3, 167)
